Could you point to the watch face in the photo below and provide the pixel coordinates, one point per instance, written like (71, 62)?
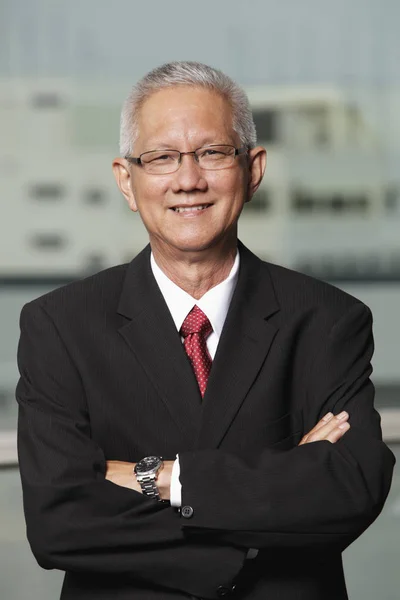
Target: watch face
(148, 464)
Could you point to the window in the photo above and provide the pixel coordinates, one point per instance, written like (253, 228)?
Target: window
(302, 202)
(93, 263)
(349, 204)
(260, 203)
(4, 396)
(94, 196)
(359, 204)
(266, 125)
(48, 241)
(47, 100)
(47, 191)
(316, 121)
(392, 199)
(349, 267)
(337, 203)
(321, 267)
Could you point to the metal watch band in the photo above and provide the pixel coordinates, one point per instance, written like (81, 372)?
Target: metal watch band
(148, 485)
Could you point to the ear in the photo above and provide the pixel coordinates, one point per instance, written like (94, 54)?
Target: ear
(123, 177)
(257, 163)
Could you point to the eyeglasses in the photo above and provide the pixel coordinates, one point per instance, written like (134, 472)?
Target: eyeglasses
(211, 158)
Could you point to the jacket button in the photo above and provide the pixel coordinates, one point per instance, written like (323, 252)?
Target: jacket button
(187, 512)
(223, 591)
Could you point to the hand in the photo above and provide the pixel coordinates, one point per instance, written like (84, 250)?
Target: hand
(330, 428)
(121, 473)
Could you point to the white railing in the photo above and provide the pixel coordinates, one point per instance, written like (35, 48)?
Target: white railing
(8, 448)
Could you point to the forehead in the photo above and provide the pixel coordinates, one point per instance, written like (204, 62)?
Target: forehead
(185, 114)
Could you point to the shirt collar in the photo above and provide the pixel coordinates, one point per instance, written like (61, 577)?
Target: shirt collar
(215, 303)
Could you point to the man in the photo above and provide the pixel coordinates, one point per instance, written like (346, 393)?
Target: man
(197, 423)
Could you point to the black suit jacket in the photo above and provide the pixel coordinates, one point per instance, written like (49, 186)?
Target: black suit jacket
(104, 376)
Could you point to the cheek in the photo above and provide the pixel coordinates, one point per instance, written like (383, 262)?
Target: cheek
(149, 192)
(230, 186)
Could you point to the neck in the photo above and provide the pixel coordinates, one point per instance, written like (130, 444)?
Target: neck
(197, 272)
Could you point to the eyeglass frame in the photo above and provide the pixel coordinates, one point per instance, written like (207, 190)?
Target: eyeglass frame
(137, 160)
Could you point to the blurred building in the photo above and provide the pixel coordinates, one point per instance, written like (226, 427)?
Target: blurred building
(324, 84)
(329, 204)
(325, 89)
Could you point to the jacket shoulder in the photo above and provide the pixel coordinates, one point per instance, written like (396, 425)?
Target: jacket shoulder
(294, 290)
(102, 289)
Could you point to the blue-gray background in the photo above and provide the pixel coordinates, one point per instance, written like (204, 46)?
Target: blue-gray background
(257, 41)
(350, 44)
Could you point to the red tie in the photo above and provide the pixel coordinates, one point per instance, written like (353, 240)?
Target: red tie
(195, 330)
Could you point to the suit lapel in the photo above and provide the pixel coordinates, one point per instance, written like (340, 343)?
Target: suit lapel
(243, 347)
(245, 341)
(151, 334)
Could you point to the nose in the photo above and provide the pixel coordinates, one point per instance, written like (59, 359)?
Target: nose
(189, 176)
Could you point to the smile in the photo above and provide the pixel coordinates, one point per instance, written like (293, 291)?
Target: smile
(189, 209)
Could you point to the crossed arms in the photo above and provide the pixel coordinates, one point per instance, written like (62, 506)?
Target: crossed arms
(330, 428)
(79, 521)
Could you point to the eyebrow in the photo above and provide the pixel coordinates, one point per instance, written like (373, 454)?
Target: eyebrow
(207, 142)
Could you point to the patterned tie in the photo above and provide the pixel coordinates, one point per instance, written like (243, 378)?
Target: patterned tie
(195, 330)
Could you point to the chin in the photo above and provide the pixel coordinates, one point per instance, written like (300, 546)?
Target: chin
(179, 244)
(193, 247)
(197, 243)
(193, 244)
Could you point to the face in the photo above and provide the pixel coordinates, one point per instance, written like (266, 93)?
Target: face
(187, 118)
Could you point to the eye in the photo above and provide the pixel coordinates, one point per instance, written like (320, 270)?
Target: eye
(215, 153)
(211, 152)
(159, 158)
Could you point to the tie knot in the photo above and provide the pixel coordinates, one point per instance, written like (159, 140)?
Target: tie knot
(196, 322)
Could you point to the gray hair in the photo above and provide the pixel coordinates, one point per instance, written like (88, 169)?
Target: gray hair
(186, 73)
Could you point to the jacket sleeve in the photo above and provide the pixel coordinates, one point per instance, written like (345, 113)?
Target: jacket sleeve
(77, 520)
(318, 495)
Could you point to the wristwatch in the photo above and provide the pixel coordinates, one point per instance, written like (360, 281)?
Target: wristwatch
(146, 471)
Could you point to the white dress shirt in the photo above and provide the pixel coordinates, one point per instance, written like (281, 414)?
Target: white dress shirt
(214, 304)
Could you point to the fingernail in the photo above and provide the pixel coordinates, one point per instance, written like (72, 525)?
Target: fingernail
(327, 417)
(342, 415)
(344, 426)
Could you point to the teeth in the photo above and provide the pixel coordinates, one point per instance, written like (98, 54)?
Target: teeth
(189, 208)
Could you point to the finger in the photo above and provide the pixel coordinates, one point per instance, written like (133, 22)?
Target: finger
(328, 417)
(323, 432)
(343, 416)
(323, 429)
(335, 435)
(332, 436)
(318, 426)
